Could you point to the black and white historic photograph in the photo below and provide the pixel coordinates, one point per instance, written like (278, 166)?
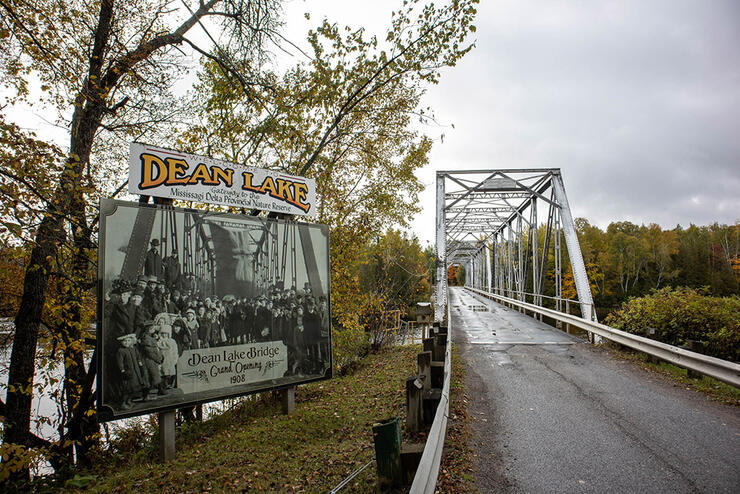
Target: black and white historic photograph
(198, 306)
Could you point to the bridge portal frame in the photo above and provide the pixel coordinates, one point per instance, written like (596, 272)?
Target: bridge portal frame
(487, 221)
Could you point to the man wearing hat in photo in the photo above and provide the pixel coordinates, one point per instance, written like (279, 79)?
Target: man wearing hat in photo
(159, 304)
(172, 271)
(265, 321)
(120, 317)
(169, 304)
(153, 299)
(215, 333)
(180, 303)
(111, 298)
(140, 312)
(153, 265)
(142, 281)
(117, 325)
(151, 286)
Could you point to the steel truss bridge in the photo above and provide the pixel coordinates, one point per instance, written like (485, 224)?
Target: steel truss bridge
(506, 228)
(488, 221)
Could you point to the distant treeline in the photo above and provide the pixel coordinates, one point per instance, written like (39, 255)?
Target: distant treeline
(683, 282)
(629, 260)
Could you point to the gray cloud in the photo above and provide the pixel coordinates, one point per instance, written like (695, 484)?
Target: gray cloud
(637, 102)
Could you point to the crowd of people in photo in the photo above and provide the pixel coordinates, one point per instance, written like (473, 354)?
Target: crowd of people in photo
(150, 321)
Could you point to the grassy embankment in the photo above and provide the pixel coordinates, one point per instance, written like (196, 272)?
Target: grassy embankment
(255, 448)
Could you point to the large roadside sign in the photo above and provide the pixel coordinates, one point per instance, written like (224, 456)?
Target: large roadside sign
(197, 306)
(161, 172)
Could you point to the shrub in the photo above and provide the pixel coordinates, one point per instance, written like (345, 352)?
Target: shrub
(682, 314)
(350, 343)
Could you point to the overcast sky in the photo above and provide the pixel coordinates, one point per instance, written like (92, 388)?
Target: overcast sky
(637, 102)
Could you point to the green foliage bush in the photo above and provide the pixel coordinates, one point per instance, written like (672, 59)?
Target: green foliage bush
(350, 343)
(682, 314)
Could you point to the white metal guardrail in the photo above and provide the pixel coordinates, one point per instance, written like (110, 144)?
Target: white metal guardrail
(722, 370)
(425, 480)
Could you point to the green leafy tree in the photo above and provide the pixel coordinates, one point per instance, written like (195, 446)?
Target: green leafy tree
(593, 246)
(662, 246)
(628, 254)
(396, 268)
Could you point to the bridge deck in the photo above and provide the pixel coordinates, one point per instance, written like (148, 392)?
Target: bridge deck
(554, 414)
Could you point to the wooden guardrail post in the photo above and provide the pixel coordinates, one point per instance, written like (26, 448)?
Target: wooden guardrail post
(424, 361)
(431, 402)
(433, 330)
(440, 343)
(428, 345)
(438, 373)
(414, 402)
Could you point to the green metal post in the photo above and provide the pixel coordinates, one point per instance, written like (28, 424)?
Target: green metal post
(387, 438)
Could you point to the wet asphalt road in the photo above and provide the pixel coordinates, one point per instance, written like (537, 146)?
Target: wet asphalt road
(554, 414)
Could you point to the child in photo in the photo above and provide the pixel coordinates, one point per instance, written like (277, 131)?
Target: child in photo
(152, 358)
(127, 358)
(168, 346)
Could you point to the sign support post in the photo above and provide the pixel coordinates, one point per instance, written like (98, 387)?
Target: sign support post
(287, 399)
(167, 450)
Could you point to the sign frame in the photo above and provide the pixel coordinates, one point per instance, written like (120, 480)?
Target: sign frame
(106, 413)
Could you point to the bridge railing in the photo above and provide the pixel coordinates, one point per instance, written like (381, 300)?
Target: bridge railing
(425, 480)
(722, 370)
(561, 304)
